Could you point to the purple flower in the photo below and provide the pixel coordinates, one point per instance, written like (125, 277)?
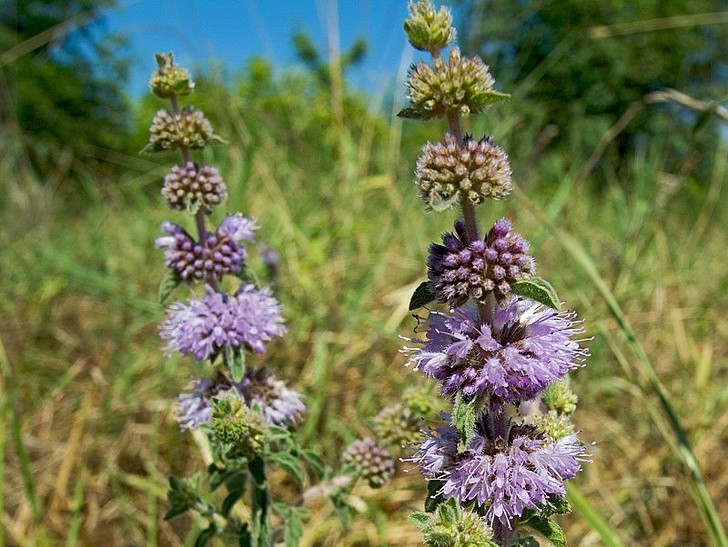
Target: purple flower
(250, 318)
(221, 253)
(279, 405)
(458, 271)
(505, 476)
(372, 462)
(513, 353)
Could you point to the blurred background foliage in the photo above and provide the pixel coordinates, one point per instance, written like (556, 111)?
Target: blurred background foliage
(619, 194)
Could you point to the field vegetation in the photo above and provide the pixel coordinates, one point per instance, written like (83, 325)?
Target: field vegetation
(633, 236)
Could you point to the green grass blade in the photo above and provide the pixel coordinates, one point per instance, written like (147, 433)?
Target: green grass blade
(684, 452)
(77, 518)
(599, 525)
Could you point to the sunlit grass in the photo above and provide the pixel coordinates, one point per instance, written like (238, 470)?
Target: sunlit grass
(88, 432)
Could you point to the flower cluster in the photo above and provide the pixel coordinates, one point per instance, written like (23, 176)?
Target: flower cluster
(188, 129)
(279, 405)
(459, 269)
(506, 473)
(475, 170)
(217, 254)
(501, 350)
(373, 463)
(460, 84)
(513, 351)
(202, 328)
(187, 188)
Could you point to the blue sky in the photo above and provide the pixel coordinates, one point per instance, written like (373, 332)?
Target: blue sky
(233, 31)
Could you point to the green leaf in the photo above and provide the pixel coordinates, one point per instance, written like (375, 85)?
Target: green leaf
(288, 462)
(317, 465)
(244, 537)
(463, 419)
(278, 434)
(237, 365)
(440, 204)
(338, 499)
(293, 521)
(548, 529)
(490, 97)
(422, 296)
(414, 114)
(173, 512)
(537, 289)
(218, 475)
(419, 519)
(193, 206)
(229, 501)
(434, 498)
(205, 535)
(168, 284)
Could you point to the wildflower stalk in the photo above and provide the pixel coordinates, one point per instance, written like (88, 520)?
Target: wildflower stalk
(496, 466)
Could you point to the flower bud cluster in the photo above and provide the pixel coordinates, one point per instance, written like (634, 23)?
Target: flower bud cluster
(187, 188)
(188, 129)
(451, 526)
(372, 462)
(458, 270)
(170, 80)
(220, 253)
(461, 85)
(238, 427)
(427, 29)
(474, 170)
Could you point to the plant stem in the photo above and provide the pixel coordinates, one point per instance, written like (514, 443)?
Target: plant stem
(260, 500)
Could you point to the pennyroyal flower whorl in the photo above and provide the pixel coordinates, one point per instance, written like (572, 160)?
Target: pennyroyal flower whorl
(188, 129)
(427, 29)
(517, 350)
(458, 271)
(475, 170)
(505, 476)
(397, 425)
(460, 85)
(201, 328)
(280, 405)
(187, 187)
(452, 526)
(221, 253)
(373, 463)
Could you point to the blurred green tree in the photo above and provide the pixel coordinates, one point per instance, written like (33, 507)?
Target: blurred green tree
(62, 80)
(581, 64)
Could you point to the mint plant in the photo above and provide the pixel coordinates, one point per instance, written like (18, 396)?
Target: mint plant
(502, 347)
(244, 417)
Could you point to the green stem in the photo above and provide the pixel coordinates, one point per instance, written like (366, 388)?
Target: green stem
(260, 501)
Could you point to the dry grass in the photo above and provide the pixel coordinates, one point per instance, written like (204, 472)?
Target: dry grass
(88, 433)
